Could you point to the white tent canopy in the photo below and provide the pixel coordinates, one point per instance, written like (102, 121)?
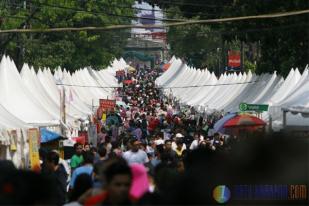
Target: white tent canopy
(30, 99)
(17, 99)
(203, 90)
(33, 99)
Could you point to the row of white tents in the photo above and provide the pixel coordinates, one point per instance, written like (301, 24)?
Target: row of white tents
(203, 90)
(32, 99)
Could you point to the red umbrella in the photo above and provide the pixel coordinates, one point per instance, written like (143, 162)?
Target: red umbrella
(127, 81)
(244, 121)
(166, 66)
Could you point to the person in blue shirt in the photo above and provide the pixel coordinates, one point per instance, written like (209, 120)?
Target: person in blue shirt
(87, 167)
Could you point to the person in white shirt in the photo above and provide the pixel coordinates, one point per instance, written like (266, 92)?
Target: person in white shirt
(197, 139)
(158, 140)
(178, 136)
(128, 113)
(135, 154)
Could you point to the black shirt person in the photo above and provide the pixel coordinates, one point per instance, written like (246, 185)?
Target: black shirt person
(57, 172)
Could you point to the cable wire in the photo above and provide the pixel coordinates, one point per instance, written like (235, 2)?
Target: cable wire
(190, 4)
(87, 86)
(179, 87)
(41, 5)
(207, 85)
(115, 27)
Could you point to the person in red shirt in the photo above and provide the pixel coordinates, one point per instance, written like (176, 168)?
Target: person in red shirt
(154, 122)
(118, 177)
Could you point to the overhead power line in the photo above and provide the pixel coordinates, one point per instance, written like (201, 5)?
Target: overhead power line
(180, 87)
(177, 3)
(190, 22)
(207, 85)
(41, 5)
(87, 86)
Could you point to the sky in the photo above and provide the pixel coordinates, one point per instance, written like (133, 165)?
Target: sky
(158, 14)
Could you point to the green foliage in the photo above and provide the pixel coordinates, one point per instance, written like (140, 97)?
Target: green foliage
(194, 44)
(282, 42)
(71, 50)
(249, 66)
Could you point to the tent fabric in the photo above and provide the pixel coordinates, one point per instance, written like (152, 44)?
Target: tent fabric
(17, 99)
(201, 89)
(32, 99)
(47, 135)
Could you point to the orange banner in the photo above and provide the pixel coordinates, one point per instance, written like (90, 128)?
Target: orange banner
(34, 142)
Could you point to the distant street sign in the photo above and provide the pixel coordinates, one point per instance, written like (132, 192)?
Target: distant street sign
(253, 107)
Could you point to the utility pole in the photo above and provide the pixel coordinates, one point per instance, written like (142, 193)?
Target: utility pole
(218, 61)
(242, 56)
(64, 114)
(62, 111)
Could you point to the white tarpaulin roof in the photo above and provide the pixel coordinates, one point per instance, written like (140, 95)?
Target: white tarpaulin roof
(203, 90)
(31, 98)
(17, 99)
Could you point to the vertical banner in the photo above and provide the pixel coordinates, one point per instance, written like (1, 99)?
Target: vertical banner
(13, 142)
(61, 149)
(92, 135)
(33, 136)
(107, 104)
(234, 59)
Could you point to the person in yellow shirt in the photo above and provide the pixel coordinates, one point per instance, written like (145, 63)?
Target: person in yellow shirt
(179, 149)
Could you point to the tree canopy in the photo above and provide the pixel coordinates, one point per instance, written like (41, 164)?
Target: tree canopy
(71, 50)
(280, 43)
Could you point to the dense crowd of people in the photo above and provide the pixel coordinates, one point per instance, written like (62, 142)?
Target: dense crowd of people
(149, 152)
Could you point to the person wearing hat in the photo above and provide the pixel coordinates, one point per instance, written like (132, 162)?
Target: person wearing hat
(135, 154)
(179, 138)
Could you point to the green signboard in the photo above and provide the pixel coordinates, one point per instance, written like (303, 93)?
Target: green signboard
(253, 107)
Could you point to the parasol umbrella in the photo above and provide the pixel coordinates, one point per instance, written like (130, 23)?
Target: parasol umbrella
(166, 66)
(128, 81)
(244, 121)
(219, 125)
(123, 104)
(131, 69)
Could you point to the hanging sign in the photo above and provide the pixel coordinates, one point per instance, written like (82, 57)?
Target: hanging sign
(33, 137)
(107, 104)
(13, 142)
(234, 59)
(253, 107)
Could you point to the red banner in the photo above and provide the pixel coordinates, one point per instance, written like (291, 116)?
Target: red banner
(107, 104)
(80, 139)
(234, 59)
